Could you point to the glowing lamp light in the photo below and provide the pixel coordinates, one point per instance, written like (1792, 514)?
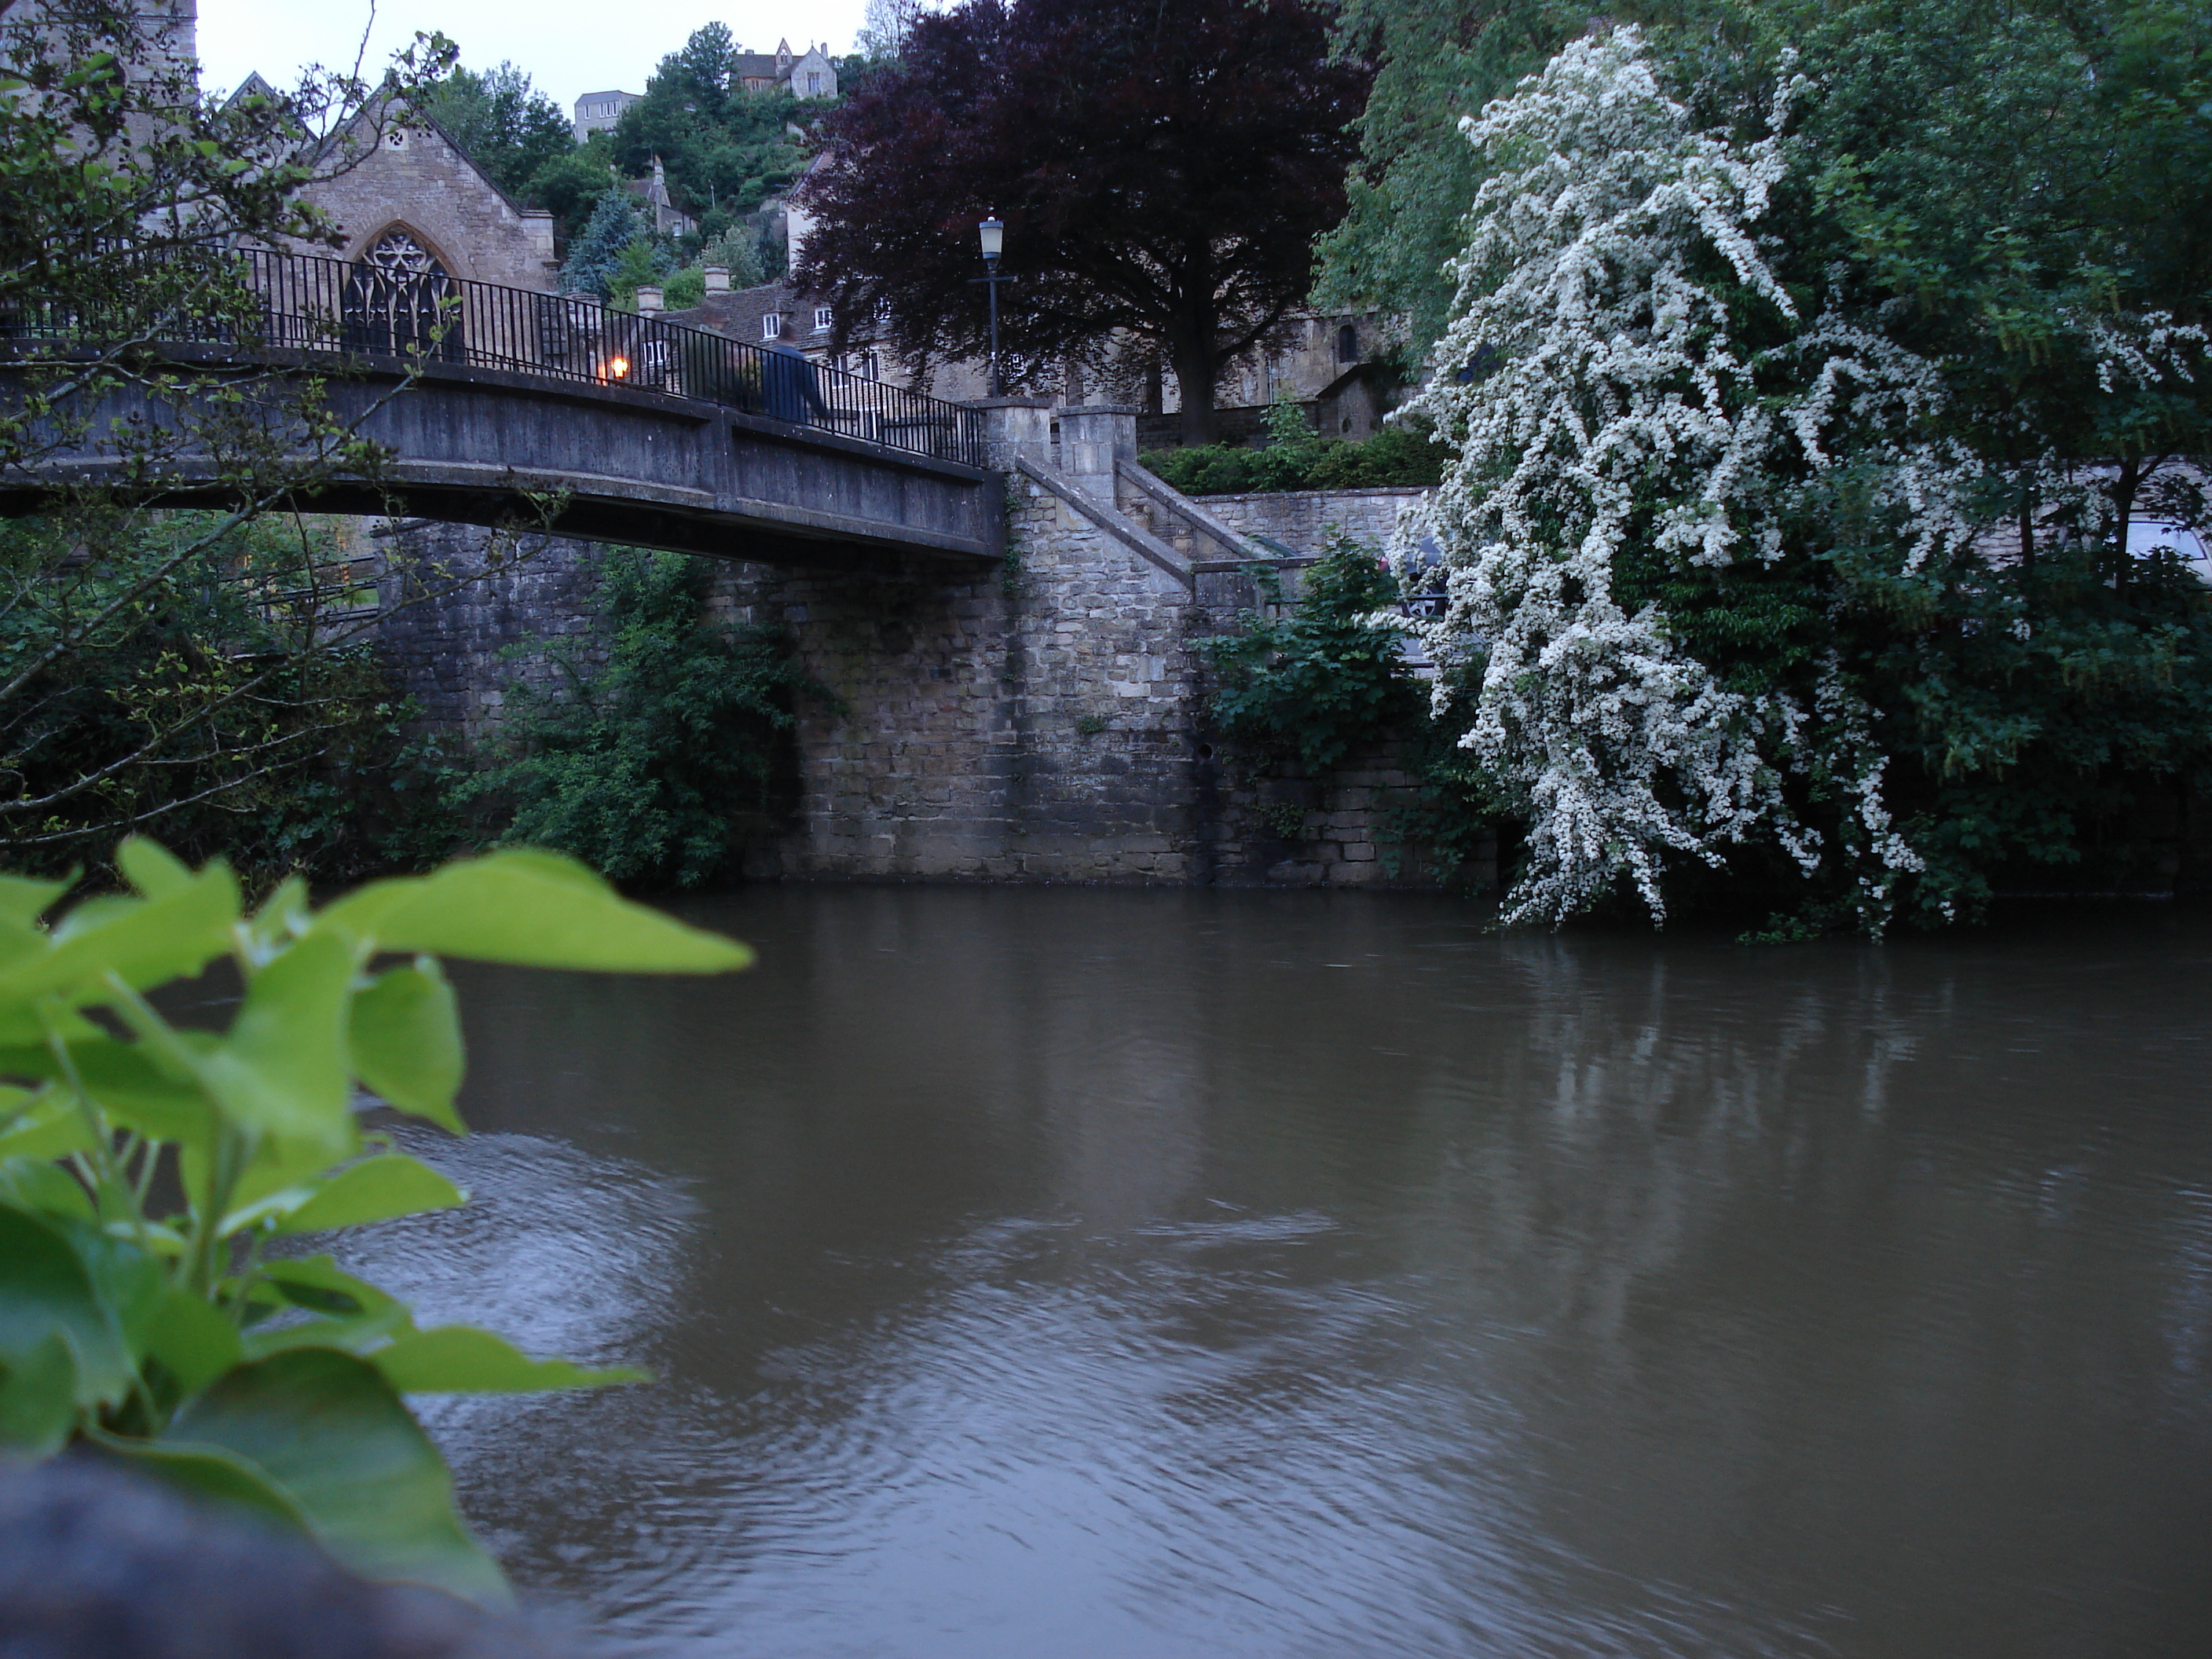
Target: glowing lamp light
(617, 367)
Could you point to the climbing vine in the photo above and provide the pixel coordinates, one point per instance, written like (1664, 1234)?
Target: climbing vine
(1319, 681)
(656, 765)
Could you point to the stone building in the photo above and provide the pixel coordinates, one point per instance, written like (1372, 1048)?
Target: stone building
(413, 202)
(809, 74)
(668, 219)
(598, 111)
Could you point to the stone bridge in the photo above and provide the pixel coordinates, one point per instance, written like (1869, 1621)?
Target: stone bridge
(1007, 609)
(494, 402)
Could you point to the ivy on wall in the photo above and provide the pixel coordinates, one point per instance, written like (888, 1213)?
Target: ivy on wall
(656, 766)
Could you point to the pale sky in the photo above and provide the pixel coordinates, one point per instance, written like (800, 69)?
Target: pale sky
(567, 46)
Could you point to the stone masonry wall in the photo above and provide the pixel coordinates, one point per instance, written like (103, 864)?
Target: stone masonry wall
(1302, 518)
(448, 652)
(411, 176)
(1032, 723)
(1041, 722)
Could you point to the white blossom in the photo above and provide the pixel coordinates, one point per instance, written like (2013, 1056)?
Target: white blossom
(1618, 383)
(2144, 349)
(1597, 388)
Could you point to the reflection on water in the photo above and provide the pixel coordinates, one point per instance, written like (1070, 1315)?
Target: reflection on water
(1062, 1274)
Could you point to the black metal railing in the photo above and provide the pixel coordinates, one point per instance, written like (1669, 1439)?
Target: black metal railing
(300, 302)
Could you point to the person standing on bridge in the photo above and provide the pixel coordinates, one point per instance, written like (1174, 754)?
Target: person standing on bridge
(791, 387)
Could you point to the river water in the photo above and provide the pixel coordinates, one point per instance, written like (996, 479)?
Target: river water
(1080, 1274)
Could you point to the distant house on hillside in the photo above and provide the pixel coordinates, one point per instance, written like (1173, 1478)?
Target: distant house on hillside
(809, 74)
(598, 111)
(667, 218)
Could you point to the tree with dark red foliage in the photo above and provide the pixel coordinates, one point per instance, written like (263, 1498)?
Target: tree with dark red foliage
(1163, 171)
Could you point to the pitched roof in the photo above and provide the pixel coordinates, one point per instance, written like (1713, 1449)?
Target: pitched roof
(377, 105)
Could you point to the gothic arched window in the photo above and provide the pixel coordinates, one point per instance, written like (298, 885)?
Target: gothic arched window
(1347, 344)
(397, 300)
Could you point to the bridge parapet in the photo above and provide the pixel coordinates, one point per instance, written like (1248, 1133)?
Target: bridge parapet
(638, 430)
(359, 311)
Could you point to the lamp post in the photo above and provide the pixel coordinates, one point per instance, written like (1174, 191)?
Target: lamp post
(993, 233)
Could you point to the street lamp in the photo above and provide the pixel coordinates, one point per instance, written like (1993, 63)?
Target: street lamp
(993, 233)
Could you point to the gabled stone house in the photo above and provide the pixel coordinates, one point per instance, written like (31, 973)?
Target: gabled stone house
(413, 201)
(809, 74)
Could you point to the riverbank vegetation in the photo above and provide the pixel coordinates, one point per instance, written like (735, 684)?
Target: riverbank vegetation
(1820, 421)
(1324, 681)
(656, 764)
(190, 672)
(220, 685)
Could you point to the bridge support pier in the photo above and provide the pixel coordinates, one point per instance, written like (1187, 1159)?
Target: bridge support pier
(1040, 720)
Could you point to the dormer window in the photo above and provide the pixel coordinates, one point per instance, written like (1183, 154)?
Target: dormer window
(771, 326)
(824, 319)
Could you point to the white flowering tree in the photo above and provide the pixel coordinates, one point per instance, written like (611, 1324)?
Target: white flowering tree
(1597, 390)
(1639, 407)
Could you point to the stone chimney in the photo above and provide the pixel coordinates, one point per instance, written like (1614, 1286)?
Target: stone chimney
(717, 279)
(649, 297)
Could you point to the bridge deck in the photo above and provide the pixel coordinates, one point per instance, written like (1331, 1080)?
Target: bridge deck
(623, 427)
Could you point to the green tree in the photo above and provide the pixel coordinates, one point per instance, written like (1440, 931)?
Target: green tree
(1437, 61)
(571, 185)
(236, 704)
(724, 149)
(596, 260)
(155, 666)
(506, 126)
(1801, 396)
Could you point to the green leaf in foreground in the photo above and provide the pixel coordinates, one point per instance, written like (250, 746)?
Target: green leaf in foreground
(331, 1434)
(38, 1392)
(282, 1069)
(531, 909)
(374, 1189)
(212, 1473)
(45, 1291)
(405, 1033)
(462, 1359)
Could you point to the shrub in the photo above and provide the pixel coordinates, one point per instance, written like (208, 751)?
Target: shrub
(218, 687)
(1399, 456)
(1328, 679)
(1325, 678)
(655, 767)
